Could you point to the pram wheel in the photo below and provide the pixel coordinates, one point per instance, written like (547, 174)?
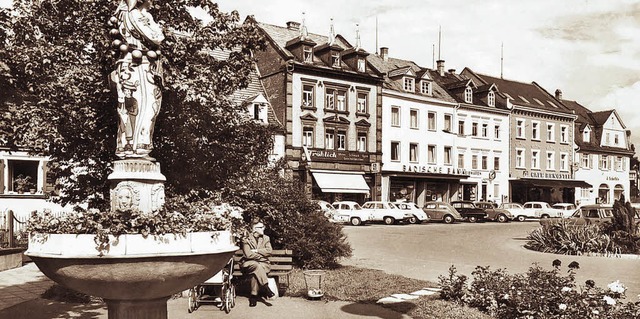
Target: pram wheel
(232, 288)
(193, 300)
(226, 298)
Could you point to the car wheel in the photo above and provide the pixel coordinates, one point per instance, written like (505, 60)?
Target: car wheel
(448, 219)
(502, 218)
(521, 218)
(544, 216)
(473, 219)
(413, 220)
(355, 221)
(388, 220)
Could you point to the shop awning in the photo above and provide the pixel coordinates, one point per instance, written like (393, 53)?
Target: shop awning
(341, 182)
(555, 183)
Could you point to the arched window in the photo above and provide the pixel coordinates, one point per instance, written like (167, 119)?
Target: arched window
(617, 191)
(491, 99)
(468, 95)
(603, 194)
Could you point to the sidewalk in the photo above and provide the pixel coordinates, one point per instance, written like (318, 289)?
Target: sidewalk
(20, 291)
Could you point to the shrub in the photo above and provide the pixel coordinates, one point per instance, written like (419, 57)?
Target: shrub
(565, 238)
(453, 286)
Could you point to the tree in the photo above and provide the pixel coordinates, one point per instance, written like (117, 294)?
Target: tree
(61, 56)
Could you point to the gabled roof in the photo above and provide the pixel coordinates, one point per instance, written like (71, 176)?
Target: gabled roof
(601, 117)
(456, 83)
(406, 70)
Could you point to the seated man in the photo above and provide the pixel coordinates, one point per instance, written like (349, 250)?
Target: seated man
(257, 248)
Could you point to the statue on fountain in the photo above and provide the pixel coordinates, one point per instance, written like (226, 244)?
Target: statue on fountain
(137, 77)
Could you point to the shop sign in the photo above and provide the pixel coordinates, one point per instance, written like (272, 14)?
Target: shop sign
(613, 178)
(435, 170)
(337, 156)
(545, 175)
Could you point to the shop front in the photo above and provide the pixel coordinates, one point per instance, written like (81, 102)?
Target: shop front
(558, 190)
(333, 186)
(421, 184)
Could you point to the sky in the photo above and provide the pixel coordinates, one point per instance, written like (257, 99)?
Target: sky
(589, 49)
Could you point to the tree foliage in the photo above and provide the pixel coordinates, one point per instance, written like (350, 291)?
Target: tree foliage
(56, 63)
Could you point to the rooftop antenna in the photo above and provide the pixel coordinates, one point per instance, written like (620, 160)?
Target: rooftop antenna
(433, 56)
(357, 37)
(501, 59)
(376, 34)
(332, 34)
(303, 29)
(439, 41)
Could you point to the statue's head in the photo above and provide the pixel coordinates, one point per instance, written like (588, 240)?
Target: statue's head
(142, 4)
(125, 198)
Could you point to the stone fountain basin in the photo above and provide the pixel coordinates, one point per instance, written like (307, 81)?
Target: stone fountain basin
(134, 267)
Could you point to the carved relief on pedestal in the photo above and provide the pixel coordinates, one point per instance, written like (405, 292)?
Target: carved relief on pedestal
(125, 196)
(157, 197)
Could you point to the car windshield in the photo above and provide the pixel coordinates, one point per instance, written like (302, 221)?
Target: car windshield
(393, 206)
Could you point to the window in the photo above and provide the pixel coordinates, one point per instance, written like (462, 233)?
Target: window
(474, 161)
(520, 158)
(535, 131)
(395, 151)
(413, 152)
(256, 111)
(330, 101)
(431, 154)
(425, 87)
(586, 135)
(308, 54)
(491, 99)
(447, 122)
(496, 162)
(496, 190)
(535, 159)
(307, 95)
(329, 140)
(362, 65)
(431, 119)
(616, 140)
(342, 100)
(362, 142)
(342, 140)
(551, 161)
(618, 160)
(485, 160)
(604, 162)
(335, 60)
(461, 127)
(395, 116)
(460, 160)
(564, 162)
(468, 95)
(485, 129)
(564, 134)
(362, 103)
(520, 129)
(607, 139)
(474, 129)
(307, 137)
(586, 160)
(408, 84)
(413, 116)
(496, 131)
(447, 155)
(551, 132)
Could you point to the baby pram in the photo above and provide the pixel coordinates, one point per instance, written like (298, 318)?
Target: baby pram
(217, 290)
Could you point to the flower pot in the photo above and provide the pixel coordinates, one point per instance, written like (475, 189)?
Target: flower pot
(136, 275)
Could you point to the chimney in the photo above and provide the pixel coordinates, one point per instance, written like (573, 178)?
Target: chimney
(384, 53)
(558, 94)
(452, 71)
(292, 25)
(440, 66)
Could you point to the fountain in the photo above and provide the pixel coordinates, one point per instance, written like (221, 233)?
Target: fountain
(136, 274)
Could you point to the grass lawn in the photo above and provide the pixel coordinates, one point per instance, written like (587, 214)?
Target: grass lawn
(368, 286)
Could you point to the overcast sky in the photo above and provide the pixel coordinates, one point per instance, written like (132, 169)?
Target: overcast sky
(590, 49)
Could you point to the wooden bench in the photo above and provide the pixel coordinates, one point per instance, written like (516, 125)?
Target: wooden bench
(281, 266)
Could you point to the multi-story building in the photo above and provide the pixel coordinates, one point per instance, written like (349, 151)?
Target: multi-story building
(603, 155)
(541, 142)
(479, 139)
(326, 95)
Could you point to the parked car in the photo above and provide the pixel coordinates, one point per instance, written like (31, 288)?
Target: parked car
(469, 211)
(441, 211)
(386, 212)
(589, 215)
(350, 212)
(541, 210)
(494, 213)
(567, 209)
(516, 209)
(419, 216)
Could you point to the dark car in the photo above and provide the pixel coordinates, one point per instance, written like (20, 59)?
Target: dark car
(494, 213)
(469, 211)
(587, 215)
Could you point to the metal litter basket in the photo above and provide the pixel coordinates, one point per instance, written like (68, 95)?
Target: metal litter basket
(313, 281)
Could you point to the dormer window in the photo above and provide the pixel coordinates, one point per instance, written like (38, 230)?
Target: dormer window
(259, 112)
(586, 135)
(362, 65)
(409, 84)
(425, 87)
(335, 60)
(308, 54)
(491, 99)
(468, 95)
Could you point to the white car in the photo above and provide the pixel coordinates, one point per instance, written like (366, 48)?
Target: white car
(386, 212)
(350, 212)
(567, 209)
(419, 215)
(519, 213)
(541, 210)
(328, 210)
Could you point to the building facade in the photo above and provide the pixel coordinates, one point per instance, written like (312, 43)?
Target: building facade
(326, 95)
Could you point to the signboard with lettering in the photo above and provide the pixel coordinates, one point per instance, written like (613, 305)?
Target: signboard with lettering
(435, 170)
(546, 175)
(337, 156)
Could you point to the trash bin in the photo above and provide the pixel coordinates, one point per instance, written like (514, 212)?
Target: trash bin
(313, 281)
